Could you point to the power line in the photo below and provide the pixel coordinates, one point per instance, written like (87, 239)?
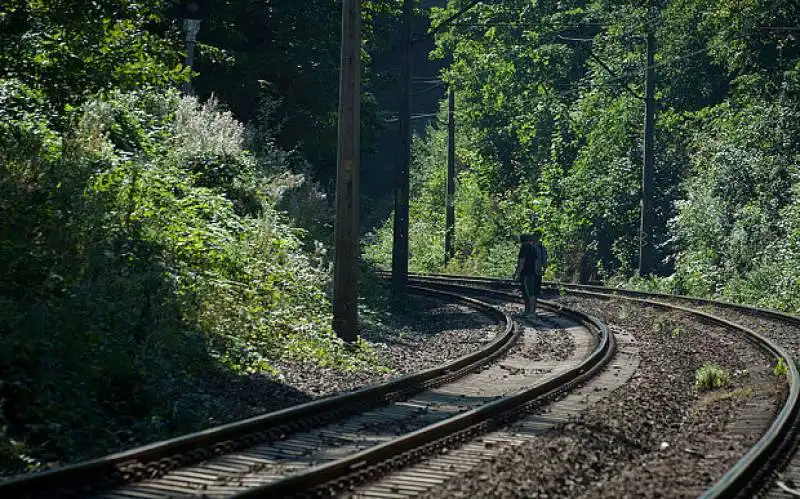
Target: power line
(575, 26)
(578, 86)
(523, 24)
(584, 85)
(442, 25)
(602, 63)
(414, 117)
(646, 22)
(604, 66)
(655, 65)
(430, 88)
(682, 57)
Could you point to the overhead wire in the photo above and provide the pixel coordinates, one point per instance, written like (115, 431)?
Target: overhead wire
(442, 25)
(414, 117)
(430, 88)
(582, 85)
(585, 85)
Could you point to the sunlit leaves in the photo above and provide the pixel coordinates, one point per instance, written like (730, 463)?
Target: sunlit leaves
(141, 251)
(72, 50)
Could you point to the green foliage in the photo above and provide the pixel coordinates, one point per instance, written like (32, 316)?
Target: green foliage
(530, 140)
(549, 121)
(141, 247)
(710, 377)
(139, 251)
(737, 223)
(142, 250)
(71, 50)
(485, 239)
(275, 63)
(780, 369)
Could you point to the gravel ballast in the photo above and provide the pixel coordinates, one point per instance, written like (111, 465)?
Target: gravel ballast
(428, 332)
(656, 436)
(549, 342)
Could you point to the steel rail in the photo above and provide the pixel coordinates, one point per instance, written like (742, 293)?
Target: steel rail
(160, 457)
(352, 469)
(508, 283)
(752, 469)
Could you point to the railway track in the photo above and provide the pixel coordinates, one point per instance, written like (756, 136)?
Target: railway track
(331, 444)
(421, 477)
(756, 473)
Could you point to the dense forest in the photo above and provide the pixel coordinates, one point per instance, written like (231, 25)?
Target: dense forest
(550, 117)
(153, 243)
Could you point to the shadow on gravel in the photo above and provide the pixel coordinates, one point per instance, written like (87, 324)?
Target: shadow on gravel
(452, 400)
(537, 324)
(421, 318)
(329, 443)
(431, 319)
(416, 313)
(248, 395)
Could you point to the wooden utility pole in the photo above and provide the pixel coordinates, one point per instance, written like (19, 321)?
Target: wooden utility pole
(646, 227)
(345, 266)
(450, 215)
(400, 241)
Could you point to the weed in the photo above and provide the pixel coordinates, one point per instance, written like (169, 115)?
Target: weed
(710, 377)
(781, 368)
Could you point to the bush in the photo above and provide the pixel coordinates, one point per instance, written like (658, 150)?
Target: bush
(781, 368)
(139, 251)
(710, 377)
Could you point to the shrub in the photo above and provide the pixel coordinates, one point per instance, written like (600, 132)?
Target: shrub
(710, 377)
(781, 369)
(139, 251)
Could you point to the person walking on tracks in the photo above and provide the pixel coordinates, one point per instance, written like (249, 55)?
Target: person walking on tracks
(531, 263)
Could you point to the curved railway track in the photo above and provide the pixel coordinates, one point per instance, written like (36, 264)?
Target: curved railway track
(465, 453)
(338, 441)
(755, 473)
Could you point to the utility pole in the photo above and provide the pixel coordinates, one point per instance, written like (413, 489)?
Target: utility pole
(646, 227)
(450, 215)
(192, 13)
(192, 27)
(400, 241)
(345, 264)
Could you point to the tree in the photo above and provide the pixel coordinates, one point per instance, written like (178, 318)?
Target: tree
(72, 49)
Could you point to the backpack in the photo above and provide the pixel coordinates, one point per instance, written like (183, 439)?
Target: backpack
(541, 259)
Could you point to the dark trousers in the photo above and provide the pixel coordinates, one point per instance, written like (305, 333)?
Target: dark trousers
(531, 285)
